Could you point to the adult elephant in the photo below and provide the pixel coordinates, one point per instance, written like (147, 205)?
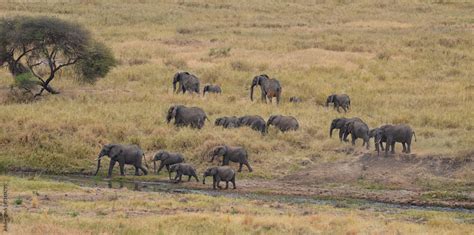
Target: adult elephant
(123, 154)
(270, 88)
(396, 133)
(228, 122)
(166, 160)
(255, 122)
(284, 123)
(341, 100)
(233, 154)
(186, 82)
(211, 89)
(340, 124)
(186, 116)
(358, 129)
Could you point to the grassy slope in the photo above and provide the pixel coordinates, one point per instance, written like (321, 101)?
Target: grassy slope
(60, 208)
(400, 63)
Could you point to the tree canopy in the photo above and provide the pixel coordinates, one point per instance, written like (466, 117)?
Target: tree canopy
(40, 47)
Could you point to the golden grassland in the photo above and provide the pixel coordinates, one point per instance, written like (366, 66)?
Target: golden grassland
(400, 62)
(39, 206)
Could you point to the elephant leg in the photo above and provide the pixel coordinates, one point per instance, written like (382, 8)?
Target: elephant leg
(408, 147)
(169, 173)
(240, 167)
(353, 139)
(233, 182)
(122, 168)
(218, 181)
(248, 166)
(340, 135)
(404, 147)
(167, 167)
(159, 168)
(381, 146)
(226, 184)
(393, 147)
(278, 99)
(111, 167)
(195, 176)
(136, 170)
(344, 108)
(189, 178)
(145, 171)
(180, 175)
(225, 161)
(214, 182)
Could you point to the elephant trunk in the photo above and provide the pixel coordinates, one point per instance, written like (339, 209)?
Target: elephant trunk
(251, 92)
(154, 166)
(98, 166)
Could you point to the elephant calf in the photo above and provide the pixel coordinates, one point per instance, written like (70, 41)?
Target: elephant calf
(219, 173)
(166, 159)
(233, 154)
(212, 89)
(183, 169)
(295, 99)
(123, 154)
(255, 122)
(284, 123)
(340, 123)
(358, 129)
(341, 100)
(186, 116)
(227, 122)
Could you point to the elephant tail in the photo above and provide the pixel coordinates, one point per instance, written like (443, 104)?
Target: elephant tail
(413, 133)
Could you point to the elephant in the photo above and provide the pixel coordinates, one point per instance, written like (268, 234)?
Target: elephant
(284, 123)
(234, 154)
(211, 89)
(123, 154)
(166, 159)
(358, 129)
(227, 122)
(396, 133)
(183, 169)
(295, 99)
(255, 122)
(270, 88)
(340, 123)
(187, 82)
(341, 100)
(187, 116)
(379, 138)
(219, 173)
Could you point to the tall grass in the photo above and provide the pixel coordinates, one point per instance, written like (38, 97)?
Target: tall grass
(403, 62)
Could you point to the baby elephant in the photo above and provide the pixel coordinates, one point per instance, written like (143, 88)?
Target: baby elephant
(166, 159)
(219, 173)
(284, 123)
(234, 154)
(341, 100)
(212, 89)
(227, 122)
(183, 169)
(295, 99)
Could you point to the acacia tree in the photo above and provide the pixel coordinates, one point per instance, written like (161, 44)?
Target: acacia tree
(39, 48)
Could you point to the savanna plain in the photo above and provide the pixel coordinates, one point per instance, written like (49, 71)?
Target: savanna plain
(400, 62)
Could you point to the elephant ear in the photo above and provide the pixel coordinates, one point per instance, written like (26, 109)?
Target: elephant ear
(214, 171)
(114, 151)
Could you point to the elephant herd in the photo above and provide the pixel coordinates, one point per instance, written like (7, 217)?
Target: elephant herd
(390, 134)
(195, 117)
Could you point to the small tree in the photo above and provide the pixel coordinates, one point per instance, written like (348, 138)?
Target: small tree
(37, 48)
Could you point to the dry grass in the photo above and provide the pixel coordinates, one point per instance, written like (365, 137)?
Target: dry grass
(401, 62)
(67, 209)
